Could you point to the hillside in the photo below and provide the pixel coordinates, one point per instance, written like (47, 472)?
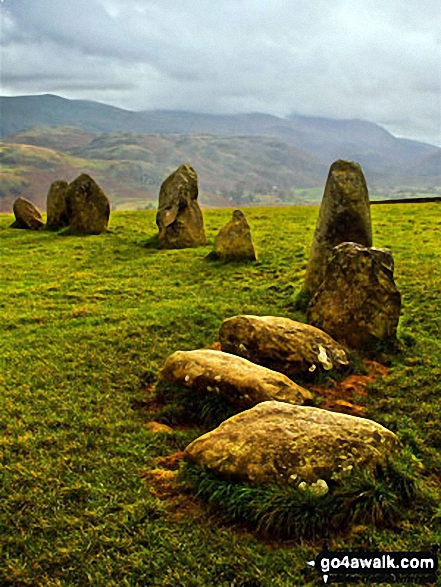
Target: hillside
(329, 139)
(131, 167)
(89, 494)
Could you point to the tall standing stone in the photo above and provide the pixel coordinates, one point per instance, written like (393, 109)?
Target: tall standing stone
(344, 216)
(26, 215)
(179, 217)
(56, 205)
(88, 207)
(233, 241)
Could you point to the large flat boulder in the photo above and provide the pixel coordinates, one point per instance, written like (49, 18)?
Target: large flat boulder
(344, 216)
(278, 443)
(234, 242)
(56, 208)
(240, 382)
(88, 207)
(26, 215)
(179, 218)
(282, 345)
(358, 302)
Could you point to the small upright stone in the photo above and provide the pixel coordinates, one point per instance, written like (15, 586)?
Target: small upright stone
(56, 206)
(233, 241)
(26, 215)
(179, 217)
(344, 216)
(358, 302)
(88, 207)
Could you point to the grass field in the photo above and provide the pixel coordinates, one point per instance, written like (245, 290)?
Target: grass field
(86, 322)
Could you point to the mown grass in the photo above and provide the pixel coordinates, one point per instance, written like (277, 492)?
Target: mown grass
(85, 323)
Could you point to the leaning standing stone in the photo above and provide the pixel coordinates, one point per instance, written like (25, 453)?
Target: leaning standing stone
(282, 345)
(26, 215)
(344, 216)
(234, 242)
(358, 302)
(179, 217)
(275, 443)
(240, 382)
(88, 207)
(56, 206)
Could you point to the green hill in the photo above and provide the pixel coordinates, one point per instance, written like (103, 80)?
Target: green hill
(90, 496)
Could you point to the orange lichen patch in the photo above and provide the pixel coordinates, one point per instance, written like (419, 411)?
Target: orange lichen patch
(216, 346)
(162, 482)
(158, 428)
(340, 397)
(170, 462)
(164, 485)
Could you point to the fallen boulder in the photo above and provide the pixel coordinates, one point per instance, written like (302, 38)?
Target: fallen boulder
(26, 215)
(282, 345)
(242, 383)
(344, 216)
(87, 206)
(233, 241)
(277, 443)
(179, 218)
(358, 302)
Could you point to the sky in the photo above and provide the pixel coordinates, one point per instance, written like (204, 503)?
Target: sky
(377, 60)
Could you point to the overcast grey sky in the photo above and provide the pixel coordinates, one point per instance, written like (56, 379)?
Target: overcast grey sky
(379, 60)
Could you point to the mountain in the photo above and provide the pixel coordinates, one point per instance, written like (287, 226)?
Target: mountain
(240, 159)
(369, 144)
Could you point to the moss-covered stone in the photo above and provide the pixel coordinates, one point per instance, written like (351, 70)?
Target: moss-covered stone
(234, 241)
(278, 443)
(88, 207)
(56, 206)
(282, 344)
(358, 302)
(179, 218)
(242, 383)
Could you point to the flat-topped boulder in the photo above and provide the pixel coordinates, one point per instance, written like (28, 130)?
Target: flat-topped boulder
(282, 344)
(56, 208)
(26, 215)
(240, 382)
(233, 241)
(88, 207)
(275, 443)
(179, 217)
(344, 216)
(358, 302)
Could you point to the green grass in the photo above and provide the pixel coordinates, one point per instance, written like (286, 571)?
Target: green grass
(86, 321)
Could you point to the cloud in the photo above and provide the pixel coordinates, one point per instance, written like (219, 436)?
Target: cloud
(339, 58)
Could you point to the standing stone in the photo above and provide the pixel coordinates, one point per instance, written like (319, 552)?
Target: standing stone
(26, 215)
(233, 241)
(344, 216)
(56, 206)
(179, 217)
(358, 302)
(88, 207)
(282, 345)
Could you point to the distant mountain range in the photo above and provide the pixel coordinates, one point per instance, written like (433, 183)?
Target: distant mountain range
(238, 158)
